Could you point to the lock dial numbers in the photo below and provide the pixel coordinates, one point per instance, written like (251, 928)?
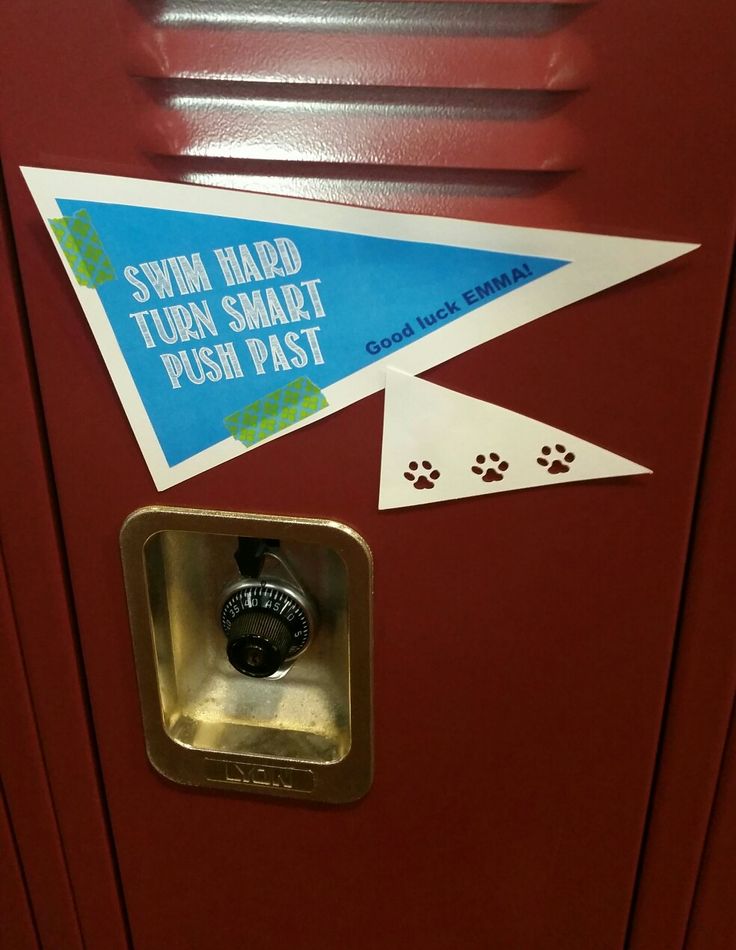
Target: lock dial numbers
(269, 600)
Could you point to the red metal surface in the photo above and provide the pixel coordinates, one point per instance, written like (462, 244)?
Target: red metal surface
(34, 564)
(26, 794)
(511, 795)
(702, 692)
(712, 924)
(15, 912)
(275, 134)
(557, 62)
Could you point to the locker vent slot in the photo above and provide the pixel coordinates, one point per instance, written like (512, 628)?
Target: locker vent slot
(417, 18)
(360, 101)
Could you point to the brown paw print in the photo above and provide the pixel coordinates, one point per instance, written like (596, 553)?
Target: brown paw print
(558, 462)
(423, 479)
(494, 472)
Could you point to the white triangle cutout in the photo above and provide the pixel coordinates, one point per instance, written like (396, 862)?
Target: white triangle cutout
(439, 444)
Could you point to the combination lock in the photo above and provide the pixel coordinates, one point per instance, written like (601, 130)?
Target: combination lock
(266, 615)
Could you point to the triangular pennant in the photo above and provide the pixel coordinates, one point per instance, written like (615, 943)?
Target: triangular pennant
(439, 444)
(205, 301)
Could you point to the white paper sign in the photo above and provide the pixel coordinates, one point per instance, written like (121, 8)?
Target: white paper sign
(227, 319)
(439, 444)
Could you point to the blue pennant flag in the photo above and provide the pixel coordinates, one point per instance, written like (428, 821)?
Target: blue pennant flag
(227, 319)
(212, 313)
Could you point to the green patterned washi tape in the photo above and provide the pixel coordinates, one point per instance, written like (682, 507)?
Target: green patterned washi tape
(82, 247)
(276, 411)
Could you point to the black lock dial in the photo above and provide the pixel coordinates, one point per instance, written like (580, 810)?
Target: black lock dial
(266, 625)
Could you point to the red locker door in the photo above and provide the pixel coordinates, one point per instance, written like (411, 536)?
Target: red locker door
(712, 924)
(47, 761)
(16, 912)
(36, 893)
(510, 793)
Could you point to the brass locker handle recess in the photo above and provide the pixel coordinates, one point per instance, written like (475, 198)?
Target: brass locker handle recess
(299, 723)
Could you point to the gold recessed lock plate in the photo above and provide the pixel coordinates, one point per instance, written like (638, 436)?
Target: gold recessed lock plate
(306, 733)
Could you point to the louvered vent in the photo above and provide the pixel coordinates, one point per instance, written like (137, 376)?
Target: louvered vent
(360, 101)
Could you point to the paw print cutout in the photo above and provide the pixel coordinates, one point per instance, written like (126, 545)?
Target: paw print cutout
(424, 478)
(494, 471)
(556, 462)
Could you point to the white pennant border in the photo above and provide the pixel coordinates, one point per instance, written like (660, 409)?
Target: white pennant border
(449, 445)
(597, 262)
